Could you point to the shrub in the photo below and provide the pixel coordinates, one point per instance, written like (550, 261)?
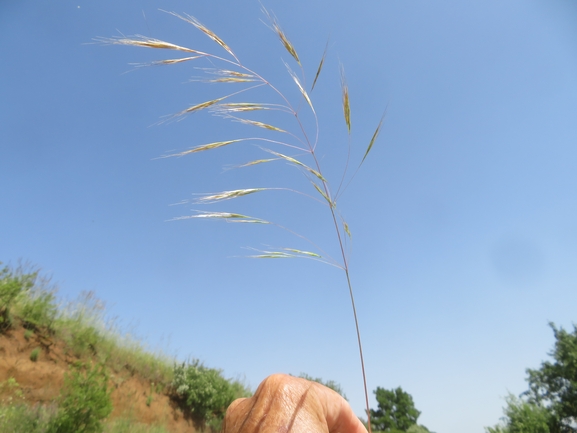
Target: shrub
(204, 390)
(38, 309)
(34, 354)
(84, 401)
(328, 383)
(18, 418)
(12, 284)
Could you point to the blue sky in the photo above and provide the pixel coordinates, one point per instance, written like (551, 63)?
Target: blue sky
(464, 215)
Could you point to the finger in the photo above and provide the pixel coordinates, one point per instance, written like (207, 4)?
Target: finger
(339, 414)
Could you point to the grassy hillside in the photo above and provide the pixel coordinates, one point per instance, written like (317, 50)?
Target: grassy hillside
(64, 369)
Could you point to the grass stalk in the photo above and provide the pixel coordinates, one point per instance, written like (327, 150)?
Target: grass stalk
(231, 108)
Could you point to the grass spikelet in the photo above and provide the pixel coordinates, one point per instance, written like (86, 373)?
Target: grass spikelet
(319, 69)
(241, 106)
(260, 124)
(226, 195)
(374, 138)
(297, 162)
(230, 80)
(168, 61)
(192, 20)
(303, 253)
(321, 192)
(347, 230)
(258, 161)
(282, 36)
(346, 102)
(228, 216)
(200, 106)
(272, 255)
(142, 41)
(203, 147)
(301, 88)
(229, 73)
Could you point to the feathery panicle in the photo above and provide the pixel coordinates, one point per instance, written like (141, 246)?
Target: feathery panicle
(260, 124)
(326, 197)
(142, 41)
(301, 88)
(192, 20)
(226, 195)
(322, 62)
(232, 217)
(346, 102)
(297, 162)
(375, 135)
(203, 147)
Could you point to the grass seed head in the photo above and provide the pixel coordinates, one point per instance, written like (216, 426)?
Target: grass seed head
(226, 195)
(142, 41)
(319, 69)
(192, 20)
(203, 147)
(346, 102)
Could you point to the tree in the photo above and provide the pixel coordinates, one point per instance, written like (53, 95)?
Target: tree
(555, 383)
(396, 411)
(522, 416)
(550, 404)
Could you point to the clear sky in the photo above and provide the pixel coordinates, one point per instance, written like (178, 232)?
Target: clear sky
(463, 217)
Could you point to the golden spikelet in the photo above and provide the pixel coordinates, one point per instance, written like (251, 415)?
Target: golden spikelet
(297, 162)
(200, 106)
(203, 147)
(142, 41)
(228, 216)
(192, 20)
(260, 125)
(282, 36)
(227, 195)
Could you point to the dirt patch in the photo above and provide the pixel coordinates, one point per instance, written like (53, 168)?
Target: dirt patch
(40, 381)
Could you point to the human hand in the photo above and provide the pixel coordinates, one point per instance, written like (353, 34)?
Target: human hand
(287, 404)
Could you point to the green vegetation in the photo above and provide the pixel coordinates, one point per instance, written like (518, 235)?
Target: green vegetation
(550, 404)
(34, 354)
(396, 412)
(205, 391)
(328, 383)
(29, 301)
(84, 401)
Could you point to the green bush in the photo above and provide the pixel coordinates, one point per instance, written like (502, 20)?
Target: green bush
(328, 383)
(204, 390)
(84, 401)
(34, 354)
(12, 284)
(19, 418)
(38, 309)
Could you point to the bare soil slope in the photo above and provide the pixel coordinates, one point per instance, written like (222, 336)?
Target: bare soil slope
(40, 381)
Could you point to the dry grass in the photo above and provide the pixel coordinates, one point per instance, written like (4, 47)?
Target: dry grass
(235, 73)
